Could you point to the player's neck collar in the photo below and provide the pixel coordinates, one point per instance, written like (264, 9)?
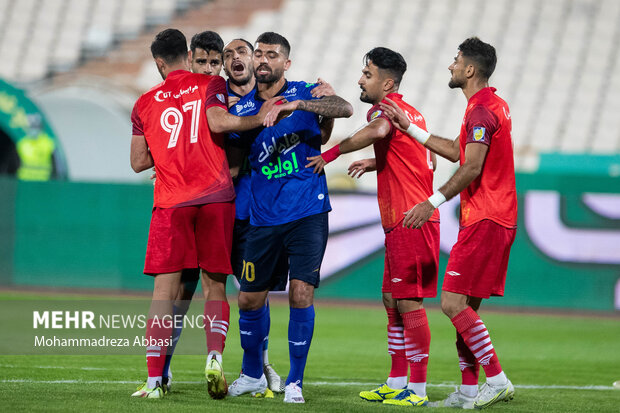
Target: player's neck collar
(230, 91)
(281, 91)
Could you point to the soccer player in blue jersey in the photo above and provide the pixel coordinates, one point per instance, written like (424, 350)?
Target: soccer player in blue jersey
(239, 69)
(288, 212)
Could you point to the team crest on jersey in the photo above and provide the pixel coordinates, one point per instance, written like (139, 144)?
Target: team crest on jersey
(375, 114)
(479, 133)
(221, 98)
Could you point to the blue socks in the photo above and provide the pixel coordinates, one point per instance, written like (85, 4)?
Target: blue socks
(176, 334)
(253, 328)
(300, 329)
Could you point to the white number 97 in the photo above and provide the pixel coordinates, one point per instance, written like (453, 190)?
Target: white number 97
(172, 120)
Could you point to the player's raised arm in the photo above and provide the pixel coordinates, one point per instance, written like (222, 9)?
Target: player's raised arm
(220, 121)
(326, 124)
(447, 148)
(366, 136)
(328, 106)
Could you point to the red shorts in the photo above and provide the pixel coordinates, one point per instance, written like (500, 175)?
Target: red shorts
(411, 261)
(190, 237)
(479, 260)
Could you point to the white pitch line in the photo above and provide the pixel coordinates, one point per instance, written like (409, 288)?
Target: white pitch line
(311, 383)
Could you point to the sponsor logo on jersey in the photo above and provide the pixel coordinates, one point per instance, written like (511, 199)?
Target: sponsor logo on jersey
(160, 96)
(506, 113)
(290, 91)
(396, 280)
(221, 98)
(284, 145)
(375, 114)
(454, 273)
(479, 133)
(247, 105)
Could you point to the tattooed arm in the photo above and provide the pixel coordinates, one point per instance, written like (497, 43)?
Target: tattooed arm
(327, 106)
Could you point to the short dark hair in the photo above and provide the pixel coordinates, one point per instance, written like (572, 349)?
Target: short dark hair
(388, 60)
(250, 45)
(207, 41)
(481, 53)
(275, 38)
(170, 45)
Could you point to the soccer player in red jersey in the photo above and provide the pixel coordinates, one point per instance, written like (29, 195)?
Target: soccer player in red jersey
(207, 48)
(404, 178)
(486, 182)
(178, 128)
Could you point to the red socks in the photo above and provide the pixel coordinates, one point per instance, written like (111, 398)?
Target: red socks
(158, 336)
(467, 363)
(217, 317)
(396, 343)
(417, 343)
(476, 337)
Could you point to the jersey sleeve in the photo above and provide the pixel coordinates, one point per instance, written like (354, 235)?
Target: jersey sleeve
(136, 122)
(307, 95)
(481, 124)
(376, 113)
(216, 94)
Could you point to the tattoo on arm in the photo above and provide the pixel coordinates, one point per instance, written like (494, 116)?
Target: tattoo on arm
(328, 106)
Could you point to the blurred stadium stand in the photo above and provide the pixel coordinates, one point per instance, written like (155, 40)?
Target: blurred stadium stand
(558, 63)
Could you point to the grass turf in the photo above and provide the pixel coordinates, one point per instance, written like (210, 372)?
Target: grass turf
(551, 359)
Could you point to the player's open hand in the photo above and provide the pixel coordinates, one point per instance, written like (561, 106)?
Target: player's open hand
(395, 113)
(418, 215)
(316, 162)
(280, 110)
(358, 168)
(268, 106)
(232, 100)
(323, 89)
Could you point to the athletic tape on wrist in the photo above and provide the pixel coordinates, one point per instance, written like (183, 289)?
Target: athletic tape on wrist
(437, 199)
(418, 133)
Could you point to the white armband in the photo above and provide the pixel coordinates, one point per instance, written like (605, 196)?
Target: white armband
(418, 133)
(437, 199)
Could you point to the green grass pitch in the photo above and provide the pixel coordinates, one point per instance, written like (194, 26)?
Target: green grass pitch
(558, 363)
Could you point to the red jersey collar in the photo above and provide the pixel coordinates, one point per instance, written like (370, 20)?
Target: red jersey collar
(177, 72)
(483, 91)
(393, 95)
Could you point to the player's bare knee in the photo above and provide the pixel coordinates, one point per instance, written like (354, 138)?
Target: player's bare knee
(301, 294)
(251, 301)
(388, 301)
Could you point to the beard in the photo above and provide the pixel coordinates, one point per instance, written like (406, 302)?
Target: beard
(242, 81)
(365, 98)
(455, 83)
(271, 77)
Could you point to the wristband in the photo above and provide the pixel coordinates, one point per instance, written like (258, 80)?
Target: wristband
(437, 199)
(418, 133)
(331, 154)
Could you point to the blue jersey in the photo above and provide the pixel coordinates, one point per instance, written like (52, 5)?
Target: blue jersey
(282, 188)
(242, 182)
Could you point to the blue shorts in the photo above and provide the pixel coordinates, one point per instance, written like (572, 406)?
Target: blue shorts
(303, 241)
(240, 239)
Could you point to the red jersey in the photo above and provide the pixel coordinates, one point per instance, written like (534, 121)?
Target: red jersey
(190, 161)
(404, 167)
(493, 194)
